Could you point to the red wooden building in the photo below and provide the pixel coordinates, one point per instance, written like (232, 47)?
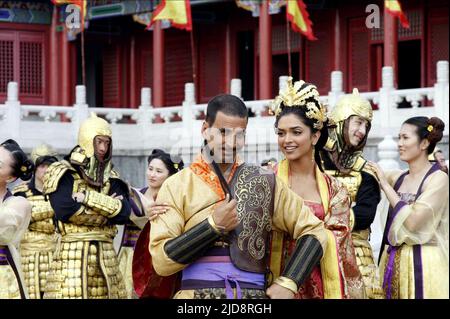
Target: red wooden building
(122, 57)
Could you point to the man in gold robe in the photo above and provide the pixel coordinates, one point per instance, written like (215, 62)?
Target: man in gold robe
(216, 233)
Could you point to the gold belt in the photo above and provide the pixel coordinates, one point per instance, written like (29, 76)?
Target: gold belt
(89, 236)
(39, 242)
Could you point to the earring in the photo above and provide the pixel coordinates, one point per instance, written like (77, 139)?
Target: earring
(313, 154)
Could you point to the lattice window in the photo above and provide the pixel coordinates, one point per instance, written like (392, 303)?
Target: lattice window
(111, 77)
(212, 57)
(30, 61)
(147, 69)
(178, 66)
(6, 64)
(359, 55)
(415, 18)
(438, 41)
(279, 39)
(23, 60)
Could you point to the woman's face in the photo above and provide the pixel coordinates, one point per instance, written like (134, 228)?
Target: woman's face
(6, 162)
(295, 138)
(409, 147)
(157, 173)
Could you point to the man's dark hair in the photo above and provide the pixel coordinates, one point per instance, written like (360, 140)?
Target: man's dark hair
(227, 104)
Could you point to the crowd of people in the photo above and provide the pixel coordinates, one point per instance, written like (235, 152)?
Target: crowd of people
(293, 228)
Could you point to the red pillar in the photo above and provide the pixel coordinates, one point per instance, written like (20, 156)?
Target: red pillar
(265, 52)
(390, 43)
(133, 79)
(65, 70)
(337, 42)
(158, 65)
(54, 64)
(228, 58)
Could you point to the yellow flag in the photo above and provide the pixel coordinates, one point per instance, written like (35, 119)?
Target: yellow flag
(299, 17)
(177, 12)
(394, 8)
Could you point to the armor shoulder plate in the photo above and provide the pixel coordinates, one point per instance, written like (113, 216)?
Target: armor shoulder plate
(54, 173)
(21, 188)
(114, 174)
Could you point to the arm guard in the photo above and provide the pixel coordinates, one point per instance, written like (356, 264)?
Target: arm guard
(105, 205)
(192, 244)
(305, 257)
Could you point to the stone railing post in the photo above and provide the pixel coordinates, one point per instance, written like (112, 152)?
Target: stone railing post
(282, 82)
(145, 115)
(13, 112)
(388, 153)
(336, 89)
(236, 88)
(81, 109)
(441, 91)
(386, 99)
(188, 103)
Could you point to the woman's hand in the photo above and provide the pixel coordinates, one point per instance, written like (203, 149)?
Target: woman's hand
(154, 209)
(380, 174)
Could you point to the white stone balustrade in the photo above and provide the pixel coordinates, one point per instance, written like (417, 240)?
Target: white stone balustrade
(136, 129)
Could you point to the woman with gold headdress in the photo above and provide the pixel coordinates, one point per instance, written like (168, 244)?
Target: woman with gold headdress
(301, 128)
(15, 213)
(89, 199)
(38, 243)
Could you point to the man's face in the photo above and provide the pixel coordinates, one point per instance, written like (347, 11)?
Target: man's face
(40, 172)
(357, 130)
(439, 156)
(225, 137)
(101, 146)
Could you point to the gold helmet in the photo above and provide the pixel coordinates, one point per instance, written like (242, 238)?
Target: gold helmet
(41, 151)
(89, 129)
(349, 105)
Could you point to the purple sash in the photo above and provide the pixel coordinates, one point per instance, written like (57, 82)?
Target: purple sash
(392, 250)
(207, 271)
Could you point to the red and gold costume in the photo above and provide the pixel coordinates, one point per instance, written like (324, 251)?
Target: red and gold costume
(338, 275)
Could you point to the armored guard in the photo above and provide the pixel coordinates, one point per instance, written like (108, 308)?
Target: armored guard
(39, 242)
(350, 123)
(89, 199)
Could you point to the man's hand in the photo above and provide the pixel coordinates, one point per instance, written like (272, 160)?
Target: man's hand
(120, 197)
(78, 197)
(277, 292)
(225, 215)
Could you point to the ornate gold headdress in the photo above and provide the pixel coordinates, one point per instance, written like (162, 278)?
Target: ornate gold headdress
(301, 95)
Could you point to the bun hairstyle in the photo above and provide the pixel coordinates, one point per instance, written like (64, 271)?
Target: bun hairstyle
(173, 164)
(22, 166)
(431, 129)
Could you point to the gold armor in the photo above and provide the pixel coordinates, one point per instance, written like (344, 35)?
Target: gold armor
(350, 163)
(39, 242)
(37, 245)
(85, 264)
